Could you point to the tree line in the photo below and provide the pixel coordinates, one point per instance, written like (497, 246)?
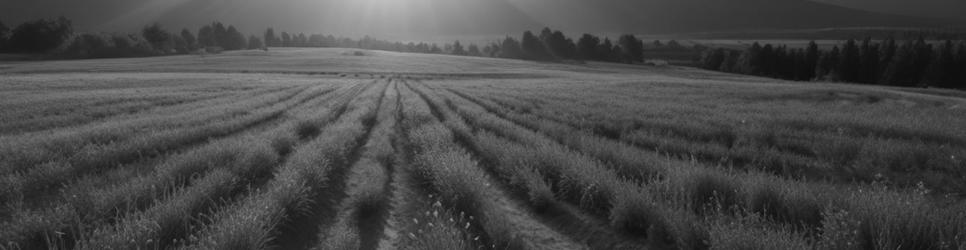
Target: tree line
(550, 45)
(909, 63)
(57, 37)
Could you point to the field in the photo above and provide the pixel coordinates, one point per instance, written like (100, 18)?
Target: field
(332, 149)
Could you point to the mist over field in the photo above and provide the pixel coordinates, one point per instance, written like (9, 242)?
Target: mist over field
(483, 124)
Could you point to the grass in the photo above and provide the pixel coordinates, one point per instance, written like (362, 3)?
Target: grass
(435, 152)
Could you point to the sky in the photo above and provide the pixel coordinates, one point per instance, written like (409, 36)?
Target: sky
(389, 19)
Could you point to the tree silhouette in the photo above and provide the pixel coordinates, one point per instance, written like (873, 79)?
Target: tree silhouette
(533, 47)
(286, 39)
(159, 39)
(206, 36)
(587, 48)
(234, 40)
(811, 60)
(458, 49)
(632, 49)
(4, 36)
(220, 35)
(41, 35)
(255, 43)
(270, 39)
(473, 50)
(189, 39)
(607, 51)
(510, 48)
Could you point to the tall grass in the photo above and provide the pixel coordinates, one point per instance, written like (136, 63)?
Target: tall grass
(255, 221)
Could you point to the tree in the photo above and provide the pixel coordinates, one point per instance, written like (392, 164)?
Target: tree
(206, 36)
(942, 70)
(607, 51)
(458, 49)
(961, 66)
(255, 43)
(712, 59)
(848, 67)
(4, 36)
(510, 48)
(221, 34)
(180, 45)
(301, 40)
(234, 40)
(533, 48)
(159, 38)
(827, 65)
(190, 41)
(868, 62)
(729, 62)
(632, 49)
(40, 36)
(811, 60)
(270, 39)
(557, 44)
(286, 39)
(473, 50)
(587, 48)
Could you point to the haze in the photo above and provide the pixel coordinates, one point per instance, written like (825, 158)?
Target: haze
(406, 19)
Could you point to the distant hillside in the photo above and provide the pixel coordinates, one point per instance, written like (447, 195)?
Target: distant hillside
(675, 16)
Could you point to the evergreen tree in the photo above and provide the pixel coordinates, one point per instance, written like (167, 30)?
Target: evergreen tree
(458, 49)
(811, 60)
(749, 61)
(4, 36)
(234, 40)
(587, 48)
(899, 72)
(190, 41)
(848, 67)
(712, 59)
(827, 68)
(206, 36)
(887, 53)
(533, 47)
(729, 62)
(607, 51)
(159, 39)
(286, 39)
(869, 62)
(632, 49)
(510, 48)
(301, 40)
(941, 71)
(221, 34)
(255, 43)
(473, 50)
(270, 39)
(960, 70)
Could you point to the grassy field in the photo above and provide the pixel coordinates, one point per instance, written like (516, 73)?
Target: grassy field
(326, 149)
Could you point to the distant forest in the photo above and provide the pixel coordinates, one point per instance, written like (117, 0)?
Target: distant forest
(56, 37)
(913, 63)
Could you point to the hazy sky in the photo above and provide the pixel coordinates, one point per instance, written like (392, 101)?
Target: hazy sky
(384, 18)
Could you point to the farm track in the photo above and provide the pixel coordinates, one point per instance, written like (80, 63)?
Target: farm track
(306, 229)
